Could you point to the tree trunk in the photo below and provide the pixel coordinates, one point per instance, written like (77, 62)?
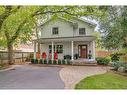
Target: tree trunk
(38, 47)
(10, 54)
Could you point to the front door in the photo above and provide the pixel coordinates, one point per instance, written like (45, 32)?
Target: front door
(83, 51)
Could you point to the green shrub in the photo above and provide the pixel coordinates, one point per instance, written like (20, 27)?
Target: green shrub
(34, 61)
(116, 65)
(45, 61)
(63, 61)
(68, 62)
(123, 58)
(116, 55)
(102, 60)
(54, 62)
(41, 61)
(59, 61)
(49, 61)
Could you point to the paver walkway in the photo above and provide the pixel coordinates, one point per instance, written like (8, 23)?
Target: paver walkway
(71, 75)
(31, 77)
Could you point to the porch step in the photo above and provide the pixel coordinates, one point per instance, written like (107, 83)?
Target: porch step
(84, 62)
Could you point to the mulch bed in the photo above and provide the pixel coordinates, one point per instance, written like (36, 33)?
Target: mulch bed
(120, 73)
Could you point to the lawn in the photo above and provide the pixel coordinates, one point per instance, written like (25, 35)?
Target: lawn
(108, 80)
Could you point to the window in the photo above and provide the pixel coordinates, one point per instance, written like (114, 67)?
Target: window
(50, 48)
(82, 31)
(57, 48)
(55, 30)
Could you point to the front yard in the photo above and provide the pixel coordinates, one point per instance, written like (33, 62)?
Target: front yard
(108, 80)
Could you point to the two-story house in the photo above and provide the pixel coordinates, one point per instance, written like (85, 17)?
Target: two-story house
(66, 37)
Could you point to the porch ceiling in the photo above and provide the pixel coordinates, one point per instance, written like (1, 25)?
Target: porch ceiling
(65, 39)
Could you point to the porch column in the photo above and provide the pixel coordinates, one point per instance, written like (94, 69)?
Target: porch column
(52, 51)
(40, 51)
(72, 50)
(93, 42)
(34, 50)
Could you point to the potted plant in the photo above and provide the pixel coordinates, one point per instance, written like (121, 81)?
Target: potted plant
(63, 61)
(34, 61)
(68, 62)
(89, 56)
(45, 61)
(49, 61)
(76, 56)
(59, 61)
(54, 62)
(41, 61)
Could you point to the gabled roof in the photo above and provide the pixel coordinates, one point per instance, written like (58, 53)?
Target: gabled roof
(71, 21)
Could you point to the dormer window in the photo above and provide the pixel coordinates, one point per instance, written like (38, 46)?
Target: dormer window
(82, 31)
(55, 31)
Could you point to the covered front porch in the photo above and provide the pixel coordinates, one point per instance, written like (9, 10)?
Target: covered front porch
(82, 46)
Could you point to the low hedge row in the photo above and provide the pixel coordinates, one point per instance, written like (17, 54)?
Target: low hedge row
(55, 62)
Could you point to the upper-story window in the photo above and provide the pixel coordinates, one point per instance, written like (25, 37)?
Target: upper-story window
(55, 30)
(82, 31)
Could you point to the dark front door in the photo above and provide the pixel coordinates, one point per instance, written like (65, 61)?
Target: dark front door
(83, 51)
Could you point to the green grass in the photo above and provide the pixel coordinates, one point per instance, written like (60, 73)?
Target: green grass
(104, 81)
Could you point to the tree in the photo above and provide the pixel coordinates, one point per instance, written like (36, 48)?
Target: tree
(113, 26)
(17, 22)
(98, 40)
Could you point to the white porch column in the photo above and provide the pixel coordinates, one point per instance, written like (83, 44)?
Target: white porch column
(34, 50)
(40, 51)
(72, 50)
(93, 46)
(52, 51)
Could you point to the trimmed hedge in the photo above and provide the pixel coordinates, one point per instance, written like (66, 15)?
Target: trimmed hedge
(34, 61)
(102, 60)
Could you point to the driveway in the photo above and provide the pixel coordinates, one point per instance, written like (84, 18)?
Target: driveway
(31, 77)
(71, 75)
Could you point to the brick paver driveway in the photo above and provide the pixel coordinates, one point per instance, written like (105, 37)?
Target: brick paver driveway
(30, 77)
(71, 75)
